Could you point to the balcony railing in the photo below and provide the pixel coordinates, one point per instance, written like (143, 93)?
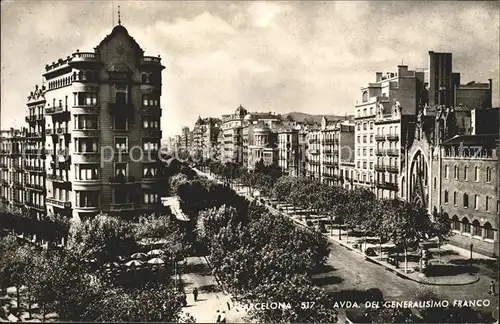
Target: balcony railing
(392, 152)
(35, 187)
(57, 178)
(387, 185)
(332, 163)
(122, 180)
(150, 60)
(85, 132)
(379, 152)
(153, 133)
(34, 135)
(31, 204)
(56, 110)
(313, 140)
(380, 168)
(85, 56)
(151, 111)
(393, 137)
(88, 109)
(17, 167)
(121, 207)
(3, 166)
(393, 169)
(314, 152)
(380, 137)
(58, 202)
(18, 185)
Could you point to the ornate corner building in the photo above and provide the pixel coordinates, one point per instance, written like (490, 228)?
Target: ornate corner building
(93, 135)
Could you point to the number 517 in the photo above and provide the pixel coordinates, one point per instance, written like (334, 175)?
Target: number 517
(307, 305)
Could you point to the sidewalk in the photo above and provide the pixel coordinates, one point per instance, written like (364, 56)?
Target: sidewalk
(211, 297)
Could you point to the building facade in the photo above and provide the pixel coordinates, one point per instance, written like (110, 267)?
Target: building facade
(12, 169)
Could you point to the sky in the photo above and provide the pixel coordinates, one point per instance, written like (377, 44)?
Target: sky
(281, 56)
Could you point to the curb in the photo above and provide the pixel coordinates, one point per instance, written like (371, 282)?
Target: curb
(402, 275)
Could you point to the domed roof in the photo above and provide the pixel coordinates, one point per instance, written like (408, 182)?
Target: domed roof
(119, 28)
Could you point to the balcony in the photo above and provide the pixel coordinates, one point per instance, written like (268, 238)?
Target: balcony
(393, 137)
(121, 207)
(62, 130)
(85, 57)
(379, 152)
(121, 109)
(121, 180)
(86, 133)
(17, 168)
(3, 166)
(313, 140)
(393, 152)
(58, 202)
(35, 187)
(4, 152)
(151, 111)
(314, 162)
(380, 138)
(34, 135)
(17, 185)
(34, 168)
(4, 182)
(393, 169)
(329, 141)
(57, 178)
(59, 110)
(33, 205)
(314, 152)
(151, 60)
(85, 109)
(387, 185)
(329, 163)
(380, 168)
(153, 133)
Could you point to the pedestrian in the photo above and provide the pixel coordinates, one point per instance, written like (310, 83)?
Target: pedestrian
(491, 291)
(218, 317)
(195, 294)
(223, 320)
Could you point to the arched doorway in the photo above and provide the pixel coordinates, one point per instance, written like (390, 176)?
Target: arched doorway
(418, 192)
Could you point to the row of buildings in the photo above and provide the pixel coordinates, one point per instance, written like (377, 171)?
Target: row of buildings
(419, 135)
(92, 137)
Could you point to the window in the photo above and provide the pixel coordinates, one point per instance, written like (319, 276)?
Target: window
(371, 152)
(371, 111)
(476, 174)
(87, 198)
(446, 171)
(476, 202)
(446, 196)
(364, 164)
(466, 200)
(371, 125)
(454, 198)
(120, 122)
(149, 123)
(465, 225)
(365, 96)
(149, 171)
(121, 170)
(150, 145)
(487, 203)
(455, 172)
(476, 228)
(488, 174)
(121, 144)
(87, 172)
(150, 100)
(359, 126)
(434, 180)
(371, 165)
(86, 98)
(371, 138)
(465, 173)
(86, 145)
(364, 126)
(120, 196)
(455, 223)
(489, 233)
(150, 198)
(86, 122)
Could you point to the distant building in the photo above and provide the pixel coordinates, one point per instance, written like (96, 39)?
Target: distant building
(12, 169)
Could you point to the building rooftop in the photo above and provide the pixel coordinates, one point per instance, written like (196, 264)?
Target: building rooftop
(485, 140)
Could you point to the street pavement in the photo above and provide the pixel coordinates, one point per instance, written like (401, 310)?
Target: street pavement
(211, 298)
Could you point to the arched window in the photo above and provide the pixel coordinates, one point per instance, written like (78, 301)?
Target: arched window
(488, 174)
(455, 172)
(489, 233)
(476, 174)
(446, 196)
(143, 78)
(476, 228)
(465, 173)
(365, 96)
(476, 201)
(465, 225)
(466, 200)
(80, 75)
(446, 171)
(455, 198)
(455, 223)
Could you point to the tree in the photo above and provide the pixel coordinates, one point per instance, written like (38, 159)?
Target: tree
(406, 225)
(395, 315)
(176, 181)
(8, 247)
(103, 238)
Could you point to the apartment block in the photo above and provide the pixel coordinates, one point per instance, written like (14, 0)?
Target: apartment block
(12, 169)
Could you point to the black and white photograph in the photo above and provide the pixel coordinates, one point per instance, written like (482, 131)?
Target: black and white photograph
(249, 161)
